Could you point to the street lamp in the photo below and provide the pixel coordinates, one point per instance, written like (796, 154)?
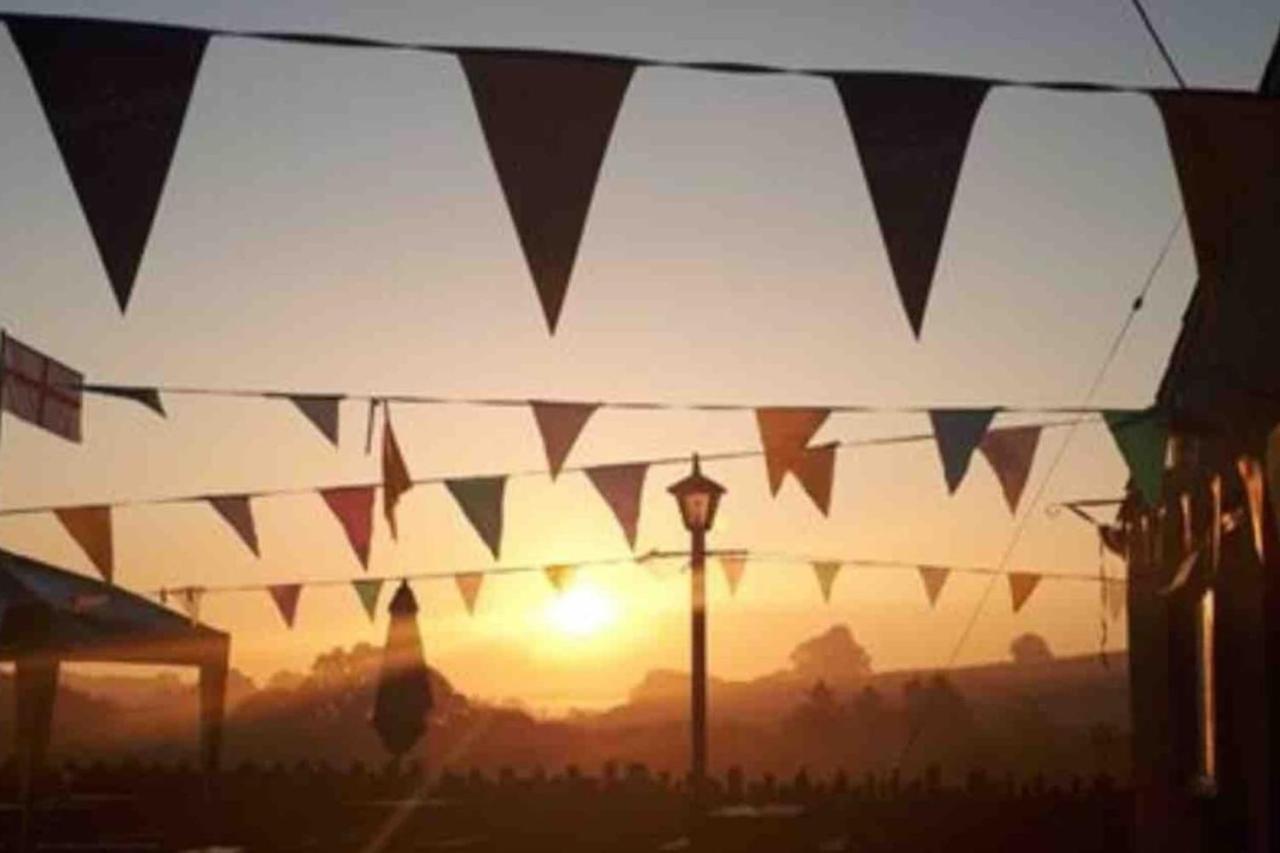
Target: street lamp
(698, 498)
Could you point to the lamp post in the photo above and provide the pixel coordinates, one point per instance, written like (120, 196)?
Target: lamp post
(698, 498)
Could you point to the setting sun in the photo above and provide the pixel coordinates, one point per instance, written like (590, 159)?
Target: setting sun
(582, 611)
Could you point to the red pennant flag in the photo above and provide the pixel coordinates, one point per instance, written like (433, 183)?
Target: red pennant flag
(559, 424)
(90, 526)
(481, 501)
(395, 475)
(560, 576)
(621, 486)
(785, 433)
(235, 511)
(826, 573)
(1021, 585)
(286, 597)
(353, 506)
(1251, 477)
(959, 432)
(734, 565)
(322, 412)
(1010, 452)
(816, 469)
(39, 390)
(469, 584)
(933, 577)
(547, 121)
(115, 95)
(911, 131)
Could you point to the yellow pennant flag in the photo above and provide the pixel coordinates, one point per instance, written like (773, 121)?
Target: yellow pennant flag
(560, 576)
(733, 565)
(469, 584)
(826, 572)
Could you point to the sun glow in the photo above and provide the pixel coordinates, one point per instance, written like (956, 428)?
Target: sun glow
(582, 610)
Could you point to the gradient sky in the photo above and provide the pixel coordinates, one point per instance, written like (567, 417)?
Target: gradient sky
(332, 221)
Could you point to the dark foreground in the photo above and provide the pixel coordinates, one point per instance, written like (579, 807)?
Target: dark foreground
(321, 809)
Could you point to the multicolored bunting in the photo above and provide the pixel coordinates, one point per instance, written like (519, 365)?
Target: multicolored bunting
(547, 122)
(911, 132)
(481, 501)
(734, 566)
(959, 432)
(1220, 144)
(560, 424)
(826, 572)
(1021, 585)
(816, 469)
(1010, 452)
(353, 507)
(1141, 436)
(286, 596)
(933, 578)
(115, 95)
(39, 390)
(149, 397)
(622, 487)
(322, 411)
(368, 590)
(395, 475)
(237, 512)
(90, 526)
(402, 699)
(1251, 477)
(469, 584)
(560, 576)
(785, 433)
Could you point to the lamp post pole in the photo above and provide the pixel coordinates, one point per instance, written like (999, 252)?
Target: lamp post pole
(698, 652)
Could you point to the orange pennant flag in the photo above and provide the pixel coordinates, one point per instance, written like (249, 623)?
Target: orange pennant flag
(1021, 585)
(395, 475)
(826, 572)
(1252, 477)
(90, 526)
(815, 469)
(469, 586)
(560, 576)
(734, 565)
(785, 433)
(933, 577)
(560, 424)
(286, 597)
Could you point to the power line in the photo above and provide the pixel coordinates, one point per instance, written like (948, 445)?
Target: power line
(1155, 37)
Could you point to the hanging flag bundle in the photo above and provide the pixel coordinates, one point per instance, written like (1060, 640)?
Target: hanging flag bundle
(402, 699)
(39, 390)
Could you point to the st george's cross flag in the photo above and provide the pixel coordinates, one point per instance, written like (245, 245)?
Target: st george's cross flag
(39, 390)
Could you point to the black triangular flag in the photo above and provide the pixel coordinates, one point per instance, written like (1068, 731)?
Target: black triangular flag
(911, 131)
(148, 397)
(547, 122)
(115, 95)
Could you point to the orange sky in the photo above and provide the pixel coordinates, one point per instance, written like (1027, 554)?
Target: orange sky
(332, 221)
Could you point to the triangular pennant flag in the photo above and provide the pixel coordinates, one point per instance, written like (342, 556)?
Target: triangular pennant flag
(235, 511)
(1021, 585)
(469, 584)
(353, 506)
(1251, 476)
(1113, 538)
(368, 590)
(959, 432)
(911, 132)
(559, 424)
(547, 122)
(189, 598)
(1220, 144)
(148, 397)
(826, 572)
(1141, 437)
(933, 577)
(395, 475)
(1183, 574)
(560, 576)
(621, 486)
(1115, 593)
(322, 411)
(734, 565)
(481, 501)
(115, 95)
(785, 433)
(816, 469)
(286, 595)
(1010, 452)
(90, 526)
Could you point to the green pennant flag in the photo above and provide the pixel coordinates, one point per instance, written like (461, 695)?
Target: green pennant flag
(368, 590)
(1142, 437)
